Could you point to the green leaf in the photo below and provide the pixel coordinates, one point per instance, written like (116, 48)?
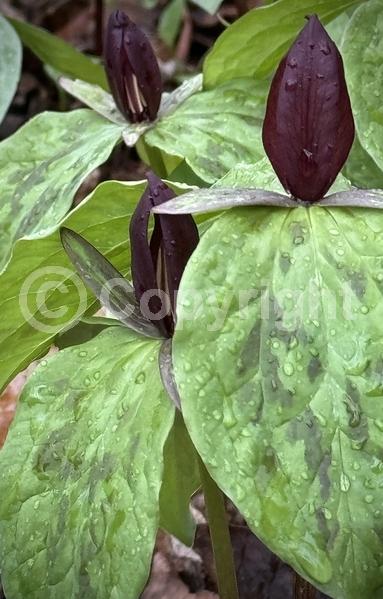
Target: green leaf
(211, 6)
(109, 286)
(362, 52)
(56, 53)
(213, 130)
(95, 97)
(170, 21)
(41, 295)
(255, 43)
(82, 470)
(50, 157)
(361, 170)
(83, 331)
(180, 481)
(10, 65)
(278, 361)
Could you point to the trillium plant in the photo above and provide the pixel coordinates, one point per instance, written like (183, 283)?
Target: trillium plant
(216, 328)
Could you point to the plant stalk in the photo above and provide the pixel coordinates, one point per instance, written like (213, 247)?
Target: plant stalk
(220, 536)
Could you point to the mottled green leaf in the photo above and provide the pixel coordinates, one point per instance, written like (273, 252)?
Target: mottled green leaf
(41, 295)
(362, 51)
(94, 97)
(10, 65)
(82, 471)
(41, 167)
(60, 55)
(278, 361)
(254, 44)
(180, 481)
(361, 170)
(213, 130)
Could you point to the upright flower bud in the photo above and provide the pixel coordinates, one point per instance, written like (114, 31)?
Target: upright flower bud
(132, 69)
(309, 128)
(158, 265)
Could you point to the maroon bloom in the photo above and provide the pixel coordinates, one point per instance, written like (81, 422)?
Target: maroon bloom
(132, 69)
(309, 128)
(157, 266)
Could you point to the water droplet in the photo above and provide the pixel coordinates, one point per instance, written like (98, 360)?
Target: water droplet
(298, 240)
(83, 353)
(288, 369)
(364, 309)
(324, 48)
(369, 499)
(291, 85)
(140, 378)
(275, 345)
(327, 514)
(293, 63)
(344, 482)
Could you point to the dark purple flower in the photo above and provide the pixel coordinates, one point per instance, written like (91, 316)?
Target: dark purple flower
(132, 69)
(309, 128)
(157, 265)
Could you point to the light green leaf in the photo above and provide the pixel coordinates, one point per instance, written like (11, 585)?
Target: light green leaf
(95, 97)
(215, 129)
(41, 294)
(211, 6)
(254, 44)
(41, 167)
(82, 470)
(56, 53)
(10, 65)
(170, 21)
(362, 51)
(278, 361)
(262, 175)
(361, 170)
(180, 481)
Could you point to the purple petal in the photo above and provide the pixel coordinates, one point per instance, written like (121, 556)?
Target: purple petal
(143, 266)
(309, 128)
(132, 69)
(179, 237)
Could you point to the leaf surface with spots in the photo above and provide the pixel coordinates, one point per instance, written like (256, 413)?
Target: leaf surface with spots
(82, 470)
(213, 130)
(41, 167)
(278, 362)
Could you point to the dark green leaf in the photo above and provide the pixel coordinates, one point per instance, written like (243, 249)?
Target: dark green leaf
(53, 51)
(254, 44)
(180, 481)
(109, 286)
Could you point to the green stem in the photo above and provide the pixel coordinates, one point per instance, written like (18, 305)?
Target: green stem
(220, 536)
